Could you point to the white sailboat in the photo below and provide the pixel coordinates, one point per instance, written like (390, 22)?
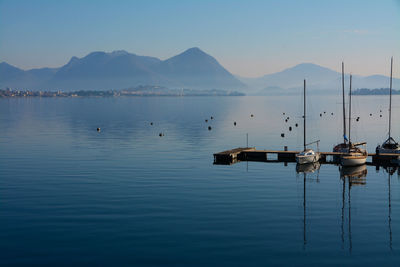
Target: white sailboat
(307, 155)
(390, 145)
(342, 147)
(355, 155)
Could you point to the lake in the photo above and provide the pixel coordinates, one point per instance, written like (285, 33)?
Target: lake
(124, 196)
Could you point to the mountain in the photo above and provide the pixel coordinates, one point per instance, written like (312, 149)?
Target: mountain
(319, 80)
(193, 69)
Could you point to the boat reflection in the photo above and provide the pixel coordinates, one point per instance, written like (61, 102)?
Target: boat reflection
(356, 174)
(308, 168)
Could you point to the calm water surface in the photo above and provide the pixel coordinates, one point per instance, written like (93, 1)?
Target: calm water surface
(125, 196)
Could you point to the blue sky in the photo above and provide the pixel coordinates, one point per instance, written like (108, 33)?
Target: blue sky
(250, 38)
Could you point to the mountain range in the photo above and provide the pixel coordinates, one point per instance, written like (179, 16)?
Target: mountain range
(192, 69)
(319, 80)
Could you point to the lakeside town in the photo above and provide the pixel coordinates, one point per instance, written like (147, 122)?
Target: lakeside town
(136, 91)
(154, 91)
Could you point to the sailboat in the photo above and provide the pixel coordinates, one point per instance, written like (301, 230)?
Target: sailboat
(390, 145)
(342, 147)
(307, 155)
(355, 155)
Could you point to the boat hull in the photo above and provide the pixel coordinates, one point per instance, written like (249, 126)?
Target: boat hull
(306, 159)
(353, 160)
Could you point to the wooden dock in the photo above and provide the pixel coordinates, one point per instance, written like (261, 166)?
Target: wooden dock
(252, 154)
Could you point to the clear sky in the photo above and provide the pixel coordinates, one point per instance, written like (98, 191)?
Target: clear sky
(250, 38)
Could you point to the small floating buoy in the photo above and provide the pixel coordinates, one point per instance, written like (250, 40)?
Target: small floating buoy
(98, 129)
(151, 123)
(212, 117)
(284, 113)
(234, 123)
(252, 115)
(380, 115)
(290, 128)
(282, 135)
(160, 134)
(296, 124)
(206, 120)
(332, 113)
(380, 110)
(370, 114)
(320, 114)
(286, 120)
(324, 112)
(209, 128)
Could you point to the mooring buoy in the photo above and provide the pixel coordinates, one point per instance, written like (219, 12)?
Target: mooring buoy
(290, 128)
(282, 135)
(209, 128)
(98, 129)
(234, 123)
(296, 124)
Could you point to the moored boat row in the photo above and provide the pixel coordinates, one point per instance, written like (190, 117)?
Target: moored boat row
(352, 154)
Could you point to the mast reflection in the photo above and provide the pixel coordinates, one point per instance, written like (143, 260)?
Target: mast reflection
(390, 171)
(355, 176)
(306, 169)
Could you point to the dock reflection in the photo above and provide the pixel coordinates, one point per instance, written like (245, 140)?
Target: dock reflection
(350, 177)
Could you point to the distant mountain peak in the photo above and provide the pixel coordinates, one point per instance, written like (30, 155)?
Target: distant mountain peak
(307, 66)
(5, 64)
(73, 60)
(195, 51)
(119, 52)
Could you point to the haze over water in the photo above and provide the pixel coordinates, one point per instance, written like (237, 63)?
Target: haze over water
(125, 196)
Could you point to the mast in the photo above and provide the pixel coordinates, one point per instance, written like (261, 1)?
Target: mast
(390, 98)
(304, 117)
(344, 109)
(304, 210)
(350, 111)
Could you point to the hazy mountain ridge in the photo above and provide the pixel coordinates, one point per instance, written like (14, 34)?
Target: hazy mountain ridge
(319, 80)
(192, 69)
